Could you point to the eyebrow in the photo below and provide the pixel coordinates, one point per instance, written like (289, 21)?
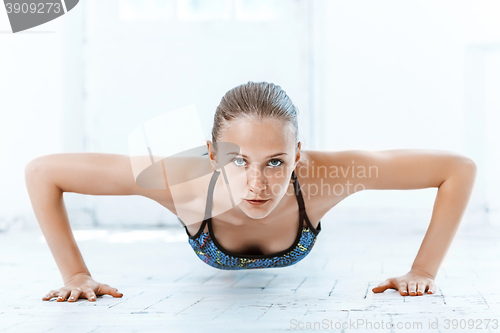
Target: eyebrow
(274, 155)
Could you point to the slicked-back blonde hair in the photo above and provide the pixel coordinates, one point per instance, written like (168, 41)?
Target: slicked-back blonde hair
(254, 100)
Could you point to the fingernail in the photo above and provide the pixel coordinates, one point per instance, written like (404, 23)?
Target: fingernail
(71, 297)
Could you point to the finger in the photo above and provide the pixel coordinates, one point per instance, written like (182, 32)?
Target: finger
(75, 294)
(382, 287)
(432, 288)
(50, 294)
(89, 293)
(106, 289)
(63, 294)
(412, 288)
(421, 287)
(403, 289)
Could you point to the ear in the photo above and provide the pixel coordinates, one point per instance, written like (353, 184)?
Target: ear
(210, 154)
(297, 157)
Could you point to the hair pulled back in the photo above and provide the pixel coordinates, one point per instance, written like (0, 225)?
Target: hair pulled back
(257, 101)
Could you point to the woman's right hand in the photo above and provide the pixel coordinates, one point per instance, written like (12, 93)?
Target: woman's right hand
(82, 285)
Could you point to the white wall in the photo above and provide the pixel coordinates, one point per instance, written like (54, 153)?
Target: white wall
(489, 136)
(395, 79)
(118, 68)
(137, 69)
(370, 75)
(31, 109)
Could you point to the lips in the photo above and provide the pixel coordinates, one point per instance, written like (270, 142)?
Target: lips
(256, 202)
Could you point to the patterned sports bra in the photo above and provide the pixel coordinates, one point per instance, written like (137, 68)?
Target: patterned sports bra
(208, 249)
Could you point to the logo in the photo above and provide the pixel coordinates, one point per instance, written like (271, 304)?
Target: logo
(170, 151)
(24, 14)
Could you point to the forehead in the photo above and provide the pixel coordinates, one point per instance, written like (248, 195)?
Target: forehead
(257, 136)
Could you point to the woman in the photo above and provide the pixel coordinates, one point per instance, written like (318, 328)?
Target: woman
(286, 193)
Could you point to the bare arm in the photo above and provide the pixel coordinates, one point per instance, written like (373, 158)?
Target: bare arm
(48, 177)
(451, 201)
(452, 174)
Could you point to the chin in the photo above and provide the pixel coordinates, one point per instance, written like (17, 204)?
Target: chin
(256, 216)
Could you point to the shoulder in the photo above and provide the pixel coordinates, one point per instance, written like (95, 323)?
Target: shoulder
(321, 185)
(324, 158)
(322, 179)
(170, 179)
(328, 166)
(328, 177)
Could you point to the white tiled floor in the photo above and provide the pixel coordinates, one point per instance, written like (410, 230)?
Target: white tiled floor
(166, 287)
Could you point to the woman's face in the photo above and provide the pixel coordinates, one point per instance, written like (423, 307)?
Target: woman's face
(262, 167)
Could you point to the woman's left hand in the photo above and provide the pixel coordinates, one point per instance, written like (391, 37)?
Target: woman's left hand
(413, 283)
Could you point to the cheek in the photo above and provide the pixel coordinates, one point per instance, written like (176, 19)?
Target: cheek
(278, 188)
(279, 180)
(237, 179)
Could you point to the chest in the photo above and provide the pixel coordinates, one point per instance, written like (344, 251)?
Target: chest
(273, 235)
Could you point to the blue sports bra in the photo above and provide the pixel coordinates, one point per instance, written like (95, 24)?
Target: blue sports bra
(208, 249)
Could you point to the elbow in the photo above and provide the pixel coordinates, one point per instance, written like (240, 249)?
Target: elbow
(462, 168)
(467, 167)
(31, 169)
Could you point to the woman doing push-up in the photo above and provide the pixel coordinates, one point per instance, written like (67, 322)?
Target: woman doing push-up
(279, 194)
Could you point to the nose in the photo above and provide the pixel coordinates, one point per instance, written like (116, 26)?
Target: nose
(256, 180)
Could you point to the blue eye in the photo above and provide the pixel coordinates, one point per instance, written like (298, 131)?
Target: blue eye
(237, 159)
(276, 160)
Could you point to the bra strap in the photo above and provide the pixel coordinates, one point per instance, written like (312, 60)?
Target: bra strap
(302, 207)
(298, 193)
(208, 207)
(210, 195)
